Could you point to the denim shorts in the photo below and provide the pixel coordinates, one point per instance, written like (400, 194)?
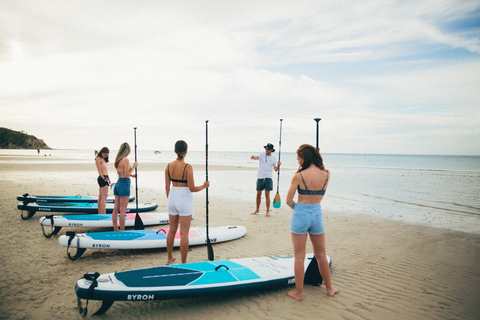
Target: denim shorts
(122, 187)
(265, 184)
(307, 218)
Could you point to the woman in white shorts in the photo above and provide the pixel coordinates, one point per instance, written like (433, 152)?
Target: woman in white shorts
(179, 185)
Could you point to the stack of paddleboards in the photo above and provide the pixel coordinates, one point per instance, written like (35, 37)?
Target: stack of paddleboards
(28, 198)
(73, 205)
(190, 280)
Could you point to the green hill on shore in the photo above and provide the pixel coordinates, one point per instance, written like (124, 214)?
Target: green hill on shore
(10, 139)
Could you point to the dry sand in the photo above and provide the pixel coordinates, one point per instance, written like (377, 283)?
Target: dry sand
(385, 269)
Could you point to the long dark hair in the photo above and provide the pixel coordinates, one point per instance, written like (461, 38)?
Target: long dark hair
(103, 150)
(310, 155)
(181, 148)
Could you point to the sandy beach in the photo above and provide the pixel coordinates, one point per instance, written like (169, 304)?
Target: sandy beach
(385, 269)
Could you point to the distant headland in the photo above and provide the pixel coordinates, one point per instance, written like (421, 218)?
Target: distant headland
(10, 139)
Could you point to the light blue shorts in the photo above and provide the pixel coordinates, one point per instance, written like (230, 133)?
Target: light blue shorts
(307, 218)
(122, 187)
(180, 202)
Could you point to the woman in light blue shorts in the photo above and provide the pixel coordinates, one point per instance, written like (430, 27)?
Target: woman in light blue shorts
(307, 218)
(121, 191)
(310, 181)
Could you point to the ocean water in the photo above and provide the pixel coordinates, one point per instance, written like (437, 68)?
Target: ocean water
(440, 191)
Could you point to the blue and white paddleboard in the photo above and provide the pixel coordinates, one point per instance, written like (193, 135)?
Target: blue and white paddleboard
(149, 238)
(79, 207)
(188, 280)
(99, 220)
(32, 198)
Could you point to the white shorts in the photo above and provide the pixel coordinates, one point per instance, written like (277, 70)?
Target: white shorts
(180, 202)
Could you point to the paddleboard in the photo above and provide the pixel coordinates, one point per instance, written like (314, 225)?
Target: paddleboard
(78, 207)
(149, 238)
(98, 220)
(27, 198)
(190, 280)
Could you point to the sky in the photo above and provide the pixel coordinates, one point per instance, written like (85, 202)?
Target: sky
(385, 77)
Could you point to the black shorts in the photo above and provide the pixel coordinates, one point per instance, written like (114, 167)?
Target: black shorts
(101, 182)
(265, 184)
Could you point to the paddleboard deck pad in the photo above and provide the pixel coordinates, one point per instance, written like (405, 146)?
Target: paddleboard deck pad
(27, 198)
(78, 207)
(190, 280)
(146, 239)
(56, 222)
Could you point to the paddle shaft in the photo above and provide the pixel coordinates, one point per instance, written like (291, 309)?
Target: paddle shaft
(209, 244)
(138, 220)
(279, 153)
(317, 120)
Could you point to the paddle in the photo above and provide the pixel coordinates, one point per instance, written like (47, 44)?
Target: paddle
(317, 119)
(209, 244)
(277, 201)
(138, 220)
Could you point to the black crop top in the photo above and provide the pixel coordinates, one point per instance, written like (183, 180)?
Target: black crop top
(312, 192)
(175, 180)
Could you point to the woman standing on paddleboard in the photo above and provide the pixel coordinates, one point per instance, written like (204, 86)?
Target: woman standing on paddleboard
(179, 185)
(121, 190)
(103, 180)
(311, 181)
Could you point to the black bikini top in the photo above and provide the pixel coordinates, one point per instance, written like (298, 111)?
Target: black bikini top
(312, 192)
(176, 180)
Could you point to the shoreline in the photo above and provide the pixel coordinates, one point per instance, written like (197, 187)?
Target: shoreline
(384, 268)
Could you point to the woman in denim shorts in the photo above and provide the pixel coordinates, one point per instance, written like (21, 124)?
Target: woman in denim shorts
(311, 181)
(121, 191)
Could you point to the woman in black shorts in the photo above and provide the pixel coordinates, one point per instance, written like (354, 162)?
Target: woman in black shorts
(103, 180)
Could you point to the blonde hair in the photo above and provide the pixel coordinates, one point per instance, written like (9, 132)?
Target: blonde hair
(123, 152)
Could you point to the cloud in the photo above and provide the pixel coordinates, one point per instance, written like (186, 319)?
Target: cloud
(365, 68)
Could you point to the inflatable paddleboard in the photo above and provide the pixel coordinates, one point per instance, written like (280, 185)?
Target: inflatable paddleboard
(146, 239)
(189, 280)
(27, 198)
(98, 220)
(78, 207)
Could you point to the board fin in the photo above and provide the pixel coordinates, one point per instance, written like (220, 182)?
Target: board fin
(106, 304)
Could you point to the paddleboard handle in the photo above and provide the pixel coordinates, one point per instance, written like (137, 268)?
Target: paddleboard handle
(221, 266)
(80, 251)
(90, 276)
(53, 229)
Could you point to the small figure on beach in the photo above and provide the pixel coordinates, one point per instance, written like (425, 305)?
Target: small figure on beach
(121, 191)
(179, 185)
(264, 176)
(103, 180)
(311, 181)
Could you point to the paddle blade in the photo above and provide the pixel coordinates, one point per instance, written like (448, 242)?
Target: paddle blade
(138, 223)
(277, 201)
(210, 250)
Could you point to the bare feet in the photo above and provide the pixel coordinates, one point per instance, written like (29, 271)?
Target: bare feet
(332, 292)
(254, 212)
(267, 214)
(169, 261)
(294, 295)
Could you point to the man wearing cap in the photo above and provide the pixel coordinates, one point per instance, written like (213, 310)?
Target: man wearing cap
(264, 176)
